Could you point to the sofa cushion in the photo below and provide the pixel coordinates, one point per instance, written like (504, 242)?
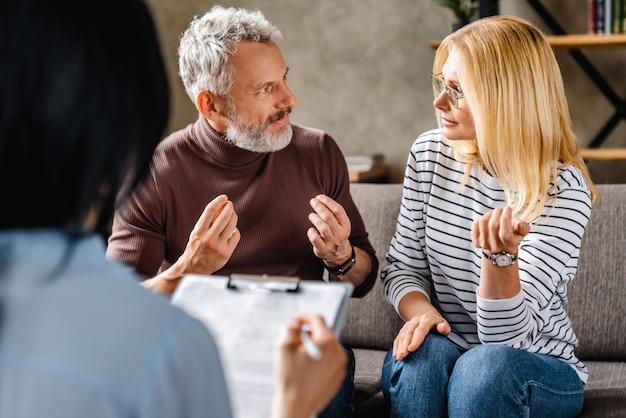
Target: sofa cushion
(368, 377)
(370, 321)
(605, 392)
(597, 295)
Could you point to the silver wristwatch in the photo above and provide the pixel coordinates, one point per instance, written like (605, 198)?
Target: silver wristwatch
(501, 259)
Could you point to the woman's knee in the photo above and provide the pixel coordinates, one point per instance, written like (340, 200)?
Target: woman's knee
(436, 356)
(435, 349)
(510, 382)
(494, 358)
(483, 367)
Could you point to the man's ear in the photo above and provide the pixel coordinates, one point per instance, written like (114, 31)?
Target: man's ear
(209, 105)
(213, 109)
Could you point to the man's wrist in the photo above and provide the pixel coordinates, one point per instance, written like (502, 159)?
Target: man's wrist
(344, 267)
(162, 284)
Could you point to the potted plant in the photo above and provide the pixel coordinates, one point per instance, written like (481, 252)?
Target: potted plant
(464, 10)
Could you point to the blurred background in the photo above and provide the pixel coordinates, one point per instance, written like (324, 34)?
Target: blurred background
(360, 69)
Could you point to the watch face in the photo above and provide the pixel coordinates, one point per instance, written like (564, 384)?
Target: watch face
(503, 260)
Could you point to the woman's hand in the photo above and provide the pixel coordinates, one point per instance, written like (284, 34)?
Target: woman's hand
(498, 231)
(423, 318)
(413, 332)
(494, 232)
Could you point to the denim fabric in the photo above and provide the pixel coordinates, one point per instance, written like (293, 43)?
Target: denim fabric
(437, 380)
(341, 405)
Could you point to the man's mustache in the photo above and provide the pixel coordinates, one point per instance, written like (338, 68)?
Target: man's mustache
(281, 114)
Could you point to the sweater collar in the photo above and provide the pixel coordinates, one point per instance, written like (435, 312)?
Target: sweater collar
(218, 148)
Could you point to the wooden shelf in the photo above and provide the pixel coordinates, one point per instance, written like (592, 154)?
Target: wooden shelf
(603, 153)
(577, 41)
(587, 41)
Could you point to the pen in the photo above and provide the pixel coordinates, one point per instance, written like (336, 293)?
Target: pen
(309, 345)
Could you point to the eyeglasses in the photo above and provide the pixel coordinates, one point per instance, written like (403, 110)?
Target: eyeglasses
(452, 92)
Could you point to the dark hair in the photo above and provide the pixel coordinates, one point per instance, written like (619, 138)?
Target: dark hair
(83, 103)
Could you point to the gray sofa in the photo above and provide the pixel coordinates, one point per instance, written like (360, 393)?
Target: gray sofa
(597, 304)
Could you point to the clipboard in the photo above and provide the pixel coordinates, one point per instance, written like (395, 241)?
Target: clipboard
(247, 315)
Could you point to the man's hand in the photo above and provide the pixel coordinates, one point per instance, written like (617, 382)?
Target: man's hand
(210, 246)
(305, 385)
(330, 232)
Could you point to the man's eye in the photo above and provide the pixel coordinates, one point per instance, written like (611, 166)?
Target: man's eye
(266, 89)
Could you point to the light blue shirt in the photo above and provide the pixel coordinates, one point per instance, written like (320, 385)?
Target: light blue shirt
(79, 337)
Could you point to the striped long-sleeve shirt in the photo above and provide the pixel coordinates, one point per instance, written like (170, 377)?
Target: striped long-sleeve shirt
(432, 252)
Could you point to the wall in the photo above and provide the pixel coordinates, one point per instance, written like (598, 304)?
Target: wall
(360, 68)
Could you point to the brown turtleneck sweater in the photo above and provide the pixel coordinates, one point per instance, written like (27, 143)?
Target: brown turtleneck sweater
(270, 193)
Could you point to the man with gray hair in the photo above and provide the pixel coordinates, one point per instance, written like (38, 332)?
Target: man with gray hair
(242, 189)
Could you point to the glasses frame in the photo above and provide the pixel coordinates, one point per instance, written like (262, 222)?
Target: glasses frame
(439, 85)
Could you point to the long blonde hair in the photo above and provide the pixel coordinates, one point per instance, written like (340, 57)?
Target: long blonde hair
(513, 87)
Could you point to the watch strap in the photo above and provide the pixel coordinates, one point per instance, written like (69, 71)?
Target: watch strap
(345, 267)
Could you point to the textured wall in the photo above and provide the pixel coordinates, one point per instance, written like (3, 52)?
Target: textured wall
(360, 68)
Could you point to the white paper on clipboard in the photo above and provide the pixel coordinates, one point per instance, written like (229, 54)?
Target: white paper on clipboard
(247, 320)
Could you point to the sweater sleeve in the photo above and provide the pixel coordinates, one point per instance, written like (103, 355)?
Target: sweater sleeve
(137, 238)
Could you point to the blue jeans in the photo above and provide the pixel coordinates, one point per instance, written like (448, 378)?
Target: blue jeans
(437, 380)
(341, 405)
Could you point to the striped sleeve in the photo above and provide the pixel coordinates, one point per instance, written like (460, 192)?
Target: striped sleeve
(548, 259)
(408, 268)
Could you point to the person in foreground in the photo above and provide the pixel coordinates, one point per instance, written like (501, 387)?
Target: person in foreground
(82, 108)
(494, 208)
(243, 190)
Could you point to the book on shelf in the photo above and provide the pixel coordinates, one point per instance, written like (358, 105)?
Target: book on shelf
(606, 16)
(364, 162)
(619, 8)
(592, 19)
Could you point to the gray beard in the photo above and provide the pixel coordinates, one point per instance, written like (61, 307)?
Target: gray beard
(259, 142)
(256, 139)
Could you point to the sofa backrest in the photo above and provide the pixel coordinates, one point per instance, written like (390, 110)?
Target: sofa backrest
(597, 296)
(370, 321)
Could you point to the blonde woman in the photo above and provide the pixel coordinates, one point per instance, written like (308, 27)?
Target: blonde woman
(494, 208)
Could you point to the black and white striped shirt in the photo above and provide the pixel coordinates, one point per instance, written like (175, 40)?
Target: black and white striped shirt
(432, 252)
